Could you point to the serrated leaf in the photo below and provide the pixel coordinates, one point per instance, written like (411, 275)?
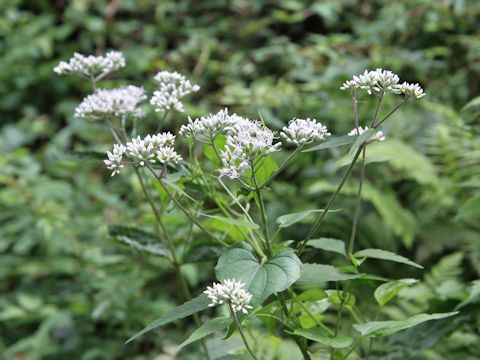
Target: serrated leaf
(206, 329)
(328, 244)
(385, 328)
(290, 219)
(319, 335)
(386, 292)
(386, 255)
(190, 307)
(261, 280)
(138, 239)
(361, 139)
(333, 142)
(314, 275)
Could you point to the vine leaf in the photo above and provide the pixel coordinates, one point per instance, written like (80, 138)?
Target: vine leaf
(260, 279)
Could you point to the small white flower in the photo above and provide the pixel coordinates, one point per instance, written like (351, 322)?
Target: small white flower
(230, 292)
(119, 102)
(379, 135)
(172, 87)
(115, 157)
(373, 82)
(92, 67)
(167, 154)
(411, 90)
(206, 129)
(304, 131)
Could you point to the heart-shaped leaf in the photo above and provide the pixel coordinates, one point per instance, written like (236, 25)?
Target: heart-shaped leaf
(260, 279)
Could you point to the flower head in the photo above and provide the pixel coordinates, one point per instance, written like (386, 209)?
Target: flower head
(304, 131)
(379, 135)
(230, 292)
(410, 90)
(121, 102)
(91, 66)
(172, 87)
(115, 157)
(207, 128)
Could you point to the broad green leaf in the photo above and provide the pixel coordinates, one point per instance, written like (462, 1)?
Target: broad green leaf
(386, 255)
(314, 275)
(206, 329)
(190, 307)
(333, 142)
(319, 335)
(261, 280)
(265, 168)
(386, 292)
(236, 222)
(385, 328)
(359, 140)
(138, 239)
(290, 219)
(328, 244)
(209, 152)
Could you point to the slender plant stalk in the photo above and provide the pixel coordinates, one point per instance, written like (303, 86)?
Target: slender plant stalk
(284, 164)
(263, 213)
(240, 330)
(392, 111)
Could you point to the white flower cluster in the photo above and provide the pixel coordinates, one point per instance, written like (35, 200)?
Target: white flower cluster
(382, 81)
(379, 135)
(91, 66)
(172, 87)
(150, 149)
(121, 102)
(304, 131)
(248, 142)
(206, 129)
(230, 292)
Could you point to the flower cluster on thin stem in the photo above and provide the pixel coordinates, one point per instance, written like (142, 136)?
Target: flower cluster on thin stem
(90, 66)
(230, 292)
(172, 87)
(206, 129)
(141, 151)
(121, 102)
(304, 131)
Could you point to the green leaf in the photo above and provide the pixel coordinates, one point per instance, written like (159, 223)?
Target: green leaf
(83, 156)
(236, 222)
(206, 329)
(470, 210)
(314, 275)
(265, 168)
(385, 328)
(328, 244)
(290, 219)
(235, 357)
(386, 255)
(138, 239)
(386, 292)
(319, 335)
(333, 142)
(190, 307)
(261, 280)
(359, 140)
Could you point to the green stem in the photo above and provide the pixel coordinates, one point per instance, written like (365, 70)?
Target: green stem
(377, 108)
(240, 330)
(299, 341)
(392, 111)
(263, 213)
(164, 117)
(284, 164)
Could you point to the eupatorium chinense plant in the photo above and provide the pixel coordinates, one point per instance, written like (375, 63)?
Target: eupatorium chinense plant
(264, 286)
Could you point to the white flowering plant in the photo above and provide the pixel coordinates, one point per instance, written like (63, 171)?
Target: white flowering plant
(215, 174)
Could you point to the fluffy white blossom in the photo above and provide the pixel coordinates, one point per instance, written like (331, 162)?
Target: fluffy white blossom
(92, 67)
(304, 131)
(207, 128)
(172, 86)
(410, 90)
(119, 102)
(373, 82)
(379, 135)
(230, 292)
(248, 141)
(115, 157)
(151, 149)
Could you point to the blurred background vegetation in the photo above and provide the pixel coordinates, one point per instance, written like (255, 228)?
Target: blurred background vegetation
(69, 291)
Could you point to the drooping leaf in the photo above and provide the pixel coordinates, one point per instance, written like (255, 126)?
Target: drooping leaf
(290, 219)
(385, 328)
(386, 255)
(386, 292)
(319, 335)
(328, 244)
(190, 307)
(206, 329)
(314, 275)
(261, 280)
(332, 142)
(138, 239)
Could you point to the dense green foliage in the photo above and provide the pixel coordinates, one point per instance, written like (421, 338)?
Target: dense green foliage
(70, 290)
